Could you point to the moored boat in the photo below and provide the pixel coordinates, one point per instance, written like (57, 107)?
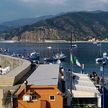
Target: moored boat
(59, 56)
(74, 45)
(34, 57)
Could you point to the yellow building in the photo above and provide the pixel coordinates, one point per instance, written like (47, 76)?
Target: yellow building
(42, 89)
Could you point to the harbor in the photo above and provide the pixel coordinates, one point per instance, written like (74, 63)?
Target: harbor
(82, 52)
(81, 88)
(54, 54)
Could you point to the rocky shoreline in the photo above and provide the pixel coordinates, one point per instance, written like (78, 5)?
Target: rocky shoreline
(52, 41)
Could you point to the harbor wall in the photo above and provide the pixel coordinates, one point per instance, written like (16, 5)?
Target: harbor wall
(18, 68)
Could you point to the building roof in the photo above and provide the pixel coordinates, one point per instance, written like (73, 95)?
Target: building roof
(45, 74)
(84, 83)
(82, 86)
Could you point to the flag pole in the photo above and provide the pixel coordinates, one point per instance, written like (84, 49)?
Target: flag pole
(71, 67)
(71, 52)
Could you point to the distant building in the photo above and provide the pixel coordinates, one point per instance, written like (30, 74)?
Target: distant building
(41, 89)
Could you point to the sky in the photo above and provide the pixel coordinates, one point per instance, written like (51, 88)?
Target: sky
(17, 9)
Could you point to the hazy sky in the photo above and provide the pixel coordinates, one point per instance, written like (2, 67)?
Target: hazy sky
(16, 9)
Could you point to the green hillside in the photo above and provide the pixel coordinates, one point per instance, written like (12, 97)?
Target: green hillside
(83, 25)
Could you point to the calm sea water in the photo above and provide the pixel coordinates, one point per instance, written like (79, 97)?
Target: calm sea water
(85, 52)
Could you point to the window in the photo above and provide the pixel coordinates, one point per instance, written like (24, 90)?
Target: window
(52, 98)
(34, 97)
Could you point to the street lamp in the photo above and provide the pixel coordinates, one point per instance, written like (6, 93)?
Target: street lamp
(102, 62)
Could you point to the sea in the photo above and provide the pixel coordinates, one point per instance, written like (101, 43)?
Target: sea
(86, 53)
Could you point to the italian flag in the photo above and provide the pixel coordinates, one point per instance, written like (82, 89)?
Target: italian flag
(75, 61)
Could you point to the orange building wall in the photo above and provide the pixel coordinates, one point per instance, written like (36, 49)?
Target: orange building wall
(44, 93)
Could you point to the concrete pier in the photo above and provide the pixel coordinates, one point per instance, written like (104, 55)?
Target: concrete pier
(18, 68)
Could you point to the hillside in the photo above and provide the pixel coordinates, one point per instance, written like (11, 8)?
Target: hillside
(3, 28)
(9, 25)
(83, 25)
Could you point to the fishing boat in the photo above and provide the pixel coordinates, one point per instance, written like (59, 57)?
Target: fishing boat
(34, 57)
(4, 51)
(74, 45)
(59, 56)
(16, 55)
(48, 59)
